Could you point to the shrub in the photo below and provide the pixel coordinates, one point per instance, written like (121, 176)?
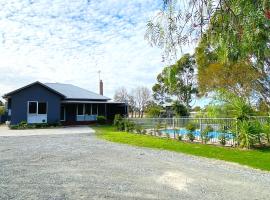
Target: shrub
(138, 129)
(191, 128)
(222, 139)
(191, 136)
(205, 134)
(117, 119)
(2, 110)
(248, 133)
(179, 137)
(266, 131)
(23, 124)
(129, 126)
(119, 123)
(101, 119)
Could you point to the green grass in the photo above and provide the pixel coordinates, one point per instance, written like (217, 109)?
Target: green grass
(259, 159)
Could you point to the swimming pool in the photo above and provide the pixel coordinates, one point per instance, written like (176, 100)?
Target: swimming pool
(197, 133)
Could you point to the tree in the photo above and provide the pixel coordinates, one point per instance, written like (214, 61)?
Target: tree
(121, 95)
(238, 28)
(153, 110)
(179, 109)
(142, 96)
(233, 34)
(178, 80)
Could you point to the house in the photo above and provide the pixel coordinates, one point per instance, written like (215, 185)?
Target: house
(56, 102)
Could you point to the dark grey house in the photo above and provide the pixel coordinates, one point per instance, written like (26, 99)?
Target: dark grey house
(55, 102)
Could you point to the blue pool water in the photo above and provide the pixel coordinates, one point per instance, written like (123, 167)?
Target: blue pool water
(197, 133)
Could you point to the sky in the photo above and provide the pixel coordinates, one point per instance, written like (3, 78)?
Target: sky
(69, 41)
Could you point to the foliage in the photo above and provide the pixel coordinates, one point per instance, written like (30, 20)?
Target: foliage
(238, 29)
(248, 133)
(179, 137)
(236, 105)
(191, 136)
(266, 131)
(253, 158)
(153, 111)
(179, 109)
(25, 125)
(178, 80)
(129, 126)
(138, 129)
(215, 110)
(205, 134)
(119, 123)
(233, 50)
(222, 139)
(2, 110)
(191, 127)
(101, 119)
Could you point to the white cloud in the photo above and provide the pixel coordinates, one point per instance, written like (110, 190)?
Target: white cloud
(70, 40)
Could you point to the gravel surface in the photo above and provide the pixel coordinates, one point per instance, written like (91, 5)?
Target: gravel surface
(80, 166)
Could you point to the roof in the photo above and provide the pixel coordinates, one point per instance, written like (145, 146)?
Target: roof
(29, 85)
(75, 92)
(67, 91)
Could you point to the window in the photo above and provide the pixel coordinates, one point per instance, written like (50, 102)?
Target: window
(80, 109)
(42, 108)
(32, 107)
(88, 109)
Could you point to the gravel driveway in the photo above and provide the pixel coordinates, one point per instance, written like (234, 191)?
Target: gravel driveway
(80, 166)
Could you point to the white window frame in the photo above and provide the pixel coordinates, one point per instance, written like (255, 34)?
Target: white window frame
(28, 108)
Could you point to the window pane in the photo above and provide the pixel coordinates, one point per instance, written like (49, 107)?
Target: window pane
(88, 109)
(32, 107)
(80, 109)
(42, 108)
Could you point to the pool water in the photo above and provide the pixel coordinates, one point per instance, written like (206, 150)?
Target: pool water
(197, 133)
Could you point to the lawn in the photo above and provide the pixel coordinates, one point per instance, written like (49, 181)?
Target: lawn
(259, 159)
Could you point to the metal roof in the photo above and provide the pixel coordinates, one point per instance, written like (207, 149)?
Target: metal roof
(75, 92)
(29, 85)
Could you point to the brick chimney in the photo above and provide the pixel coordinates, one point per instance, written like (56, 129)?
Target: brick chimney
(101, 87)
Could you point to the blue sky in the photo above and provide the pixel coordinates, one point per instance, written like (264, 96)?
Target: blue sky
(68, 41)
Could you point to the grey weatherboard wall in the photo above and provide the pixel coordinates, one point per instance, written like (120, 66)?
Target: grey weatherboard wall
(36, 92)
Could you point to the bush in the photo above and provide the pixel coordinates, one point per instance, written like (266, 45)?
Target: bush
(138, 129)
(179, 137)
(191, 128)
(129, 126)
(222, 139)
(205, 134)
(248, 133)
(2, 110)
(25, 125)
(191, 136)
(119, 122)
(101, 120)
